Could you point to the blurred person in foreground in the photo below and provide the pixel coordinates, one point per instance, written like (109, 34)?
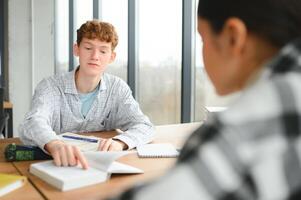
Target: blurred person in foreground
(253, 149)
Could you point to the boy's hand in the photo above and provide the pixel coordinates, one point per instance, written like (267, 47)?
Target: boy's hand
(65, 155)
(111, 145)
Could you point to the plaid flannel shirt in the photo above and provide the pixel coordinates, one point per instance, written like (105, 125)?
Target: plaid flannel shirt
(250, 151)
(56, 108)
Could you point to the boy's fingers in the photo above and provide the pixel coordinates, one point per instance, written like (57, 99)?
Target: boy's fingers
(107, 145)
(70, 156)
(56, 158)
(111, 147)
(101, 144)
(63, 156)
(115, 146)
(80, 157)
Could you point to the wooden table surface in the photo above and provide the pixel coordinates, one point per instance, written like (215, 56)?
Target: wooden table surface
(153, 168)
(28, 191)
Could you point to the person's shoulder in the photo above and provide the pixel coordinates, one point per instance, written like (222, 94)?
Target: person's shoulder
(112, 78)
(114, 82)
(45, 83)
(62, 76)
(52, 83)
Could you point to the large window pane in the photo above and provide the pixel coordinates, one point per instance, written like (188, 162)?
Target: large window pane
(160, 39)
(61, 36)
(83, 12)
(118, 16)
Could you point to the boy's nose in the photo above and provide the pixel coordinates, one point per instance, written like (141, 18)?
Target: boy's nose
(95, 55)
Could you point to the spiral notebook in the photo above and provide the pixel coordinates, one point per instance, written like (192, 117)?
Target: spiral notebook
(162, 150)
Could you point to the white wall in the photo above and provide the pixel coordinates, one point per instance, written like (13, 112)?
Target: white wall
(31, 51)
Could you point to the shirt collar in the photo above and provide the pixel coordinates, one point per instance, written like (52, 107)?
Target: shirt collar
(287, 60)
(69, 82)
(103, 84)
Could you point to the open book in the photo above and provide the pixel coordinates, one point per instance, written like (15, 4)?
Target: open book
(101, 166)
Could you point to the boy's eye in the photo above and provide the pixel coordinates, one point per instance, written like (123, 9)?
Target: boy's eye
(88, 48)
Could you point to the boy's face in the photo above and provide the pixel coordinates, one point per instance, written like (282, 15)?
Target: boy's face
(94, 56)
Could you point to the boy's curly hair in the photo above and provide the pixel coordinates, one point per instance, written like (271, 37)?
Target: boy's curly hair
(96, 29)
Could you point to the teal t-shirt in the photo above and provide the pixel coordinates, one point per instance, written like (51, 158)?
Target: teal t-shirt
(87, 100)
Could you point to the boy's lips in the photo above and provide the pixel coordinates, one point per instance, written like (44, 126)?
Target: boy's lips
(93, 64)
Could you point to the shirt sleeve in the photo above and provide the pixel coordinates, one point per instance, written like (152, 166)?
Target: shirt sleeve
(36, 129)
(137, 128)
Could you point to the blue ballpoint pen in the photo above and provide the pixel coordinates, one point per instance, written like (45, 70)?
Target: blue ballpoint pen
(80, 138)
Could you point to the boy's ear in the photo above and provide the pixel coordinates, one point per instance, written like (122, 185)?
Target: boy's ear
(75, 50)
(113, 56)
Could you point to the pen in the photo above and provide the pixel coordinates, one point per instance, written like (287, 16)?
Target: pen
(80, 138)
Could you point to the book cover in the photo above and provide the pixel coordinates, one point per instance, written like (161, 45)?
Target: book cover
(101, 166)
(10, 182)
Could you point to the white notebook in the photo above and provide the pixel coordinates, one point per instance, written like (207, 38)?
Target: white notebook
(162, 150)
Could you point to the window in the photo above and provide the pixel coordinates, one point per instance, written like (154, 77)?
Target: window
(160, 42)
(61, 36)
(118, 15)
(83, 11)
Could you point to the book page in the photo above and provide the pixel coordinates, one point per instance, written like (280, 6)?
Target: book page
(102, 160)
(120, 168)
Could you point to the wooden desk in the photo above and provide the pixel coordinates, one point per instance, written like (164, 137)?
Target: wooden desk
(152, 167)
(28, 191)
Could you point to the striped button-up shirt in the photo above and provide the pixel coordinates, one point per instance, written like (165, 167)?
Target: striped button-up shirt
(56, 108)
(250, 151)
